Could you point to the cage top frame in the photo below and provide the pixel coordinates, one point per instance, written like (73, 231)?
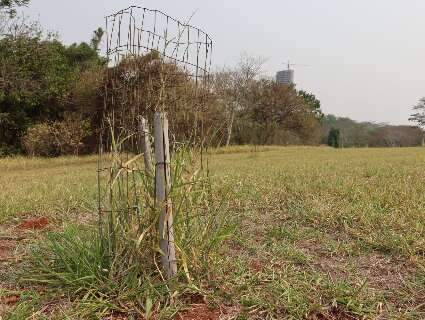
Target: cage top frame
(150, 30)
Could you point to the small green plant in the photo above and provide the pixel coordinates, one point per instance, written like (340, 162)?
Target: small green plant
(26, 309)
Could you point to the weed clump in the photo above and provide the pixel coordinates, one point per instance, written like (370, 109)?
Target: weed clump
(114, 265)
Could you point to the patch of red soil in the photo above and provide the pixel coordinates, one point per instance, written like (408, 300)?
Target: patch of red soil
(34, 224)
(10, 300)
(193, 298)
(199, 312)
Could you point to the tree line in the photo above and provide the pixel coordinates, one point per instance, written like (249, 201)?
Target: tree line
(42, 83)
(345, 132)
(53, 99)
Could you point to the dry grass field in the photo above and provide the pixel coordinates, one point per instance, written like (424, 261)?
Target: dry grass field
(319, 233)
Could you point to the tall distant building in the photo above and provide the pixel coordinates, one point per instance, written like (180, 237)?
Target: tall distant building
(285, 77)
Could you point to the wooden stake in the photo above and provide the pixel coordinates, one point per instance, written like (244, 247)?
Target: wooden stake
(145, 144)
(162, 192)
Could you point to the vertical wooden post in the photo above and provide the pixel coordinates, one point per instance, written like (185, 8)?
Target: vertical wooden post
(145, 145)
(162, 192)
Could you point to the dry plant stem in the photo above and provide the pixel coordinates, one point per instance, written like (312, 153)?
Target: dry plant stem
(162, 189)
(146, 146)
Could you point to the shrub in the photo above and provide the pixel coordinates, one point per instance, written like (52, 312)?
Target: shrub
(59, 138)
(38, 141)
(334, 138)
(70, 133)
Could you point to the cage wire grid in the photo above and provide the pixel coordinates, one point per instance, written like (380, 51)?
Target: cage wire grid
(136, 31)
(141, 42)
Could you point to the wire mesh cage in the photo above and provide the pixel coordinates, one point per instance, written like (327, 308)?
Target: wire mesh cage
(136, 31)
(155, 64)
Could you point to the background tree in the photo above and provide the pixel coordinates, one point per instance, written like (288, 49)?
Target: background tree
(369, 134)
(312, 102)
(276, 114)
(37, 75)
(232, 86)
(10, 5)
(34, 77)
(352, 133)
(142, 85)
(419, 117)
(334, 138)
(38, 141)
(69, 134)
(97, 38)
(396, 136)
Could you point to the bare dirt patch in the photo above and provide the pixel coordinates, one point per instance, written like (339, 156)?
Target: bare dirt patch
(12, 235)
(334, 266)
(34, 224)
(202, 311)
(199, 312)
(54, 307)
(384, 272)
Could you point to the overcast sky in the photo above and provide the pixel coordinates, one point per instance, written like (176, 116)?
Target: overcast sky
(366, 57)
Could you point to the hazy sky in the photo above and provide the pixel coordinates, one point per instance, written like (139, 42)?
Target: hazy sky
(366, 57)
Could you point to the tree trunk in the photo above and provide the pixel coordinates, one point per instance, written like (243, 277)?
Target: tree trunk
(230, 128)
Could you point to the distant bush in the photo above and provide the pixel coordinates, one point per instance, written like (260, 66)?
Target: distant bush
(58, 138)
(39, 141)
(70, 133)
(334, 138)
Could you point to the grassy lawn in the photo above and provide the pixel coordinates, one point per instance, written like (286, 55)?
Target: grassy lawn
(51, 187)
(320, 233)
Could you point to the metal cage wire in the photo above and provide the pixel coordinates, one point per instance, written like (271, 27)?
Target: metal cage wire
(184, 52)
(136, 31)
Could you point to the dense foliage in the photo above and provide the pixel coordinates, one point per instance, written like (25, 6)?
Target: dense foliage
(275, 114)
(368, 134)
(38, 81)
(260, 111)
(53, 100)
(419, 115)
(334, 138)
(10, 5)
